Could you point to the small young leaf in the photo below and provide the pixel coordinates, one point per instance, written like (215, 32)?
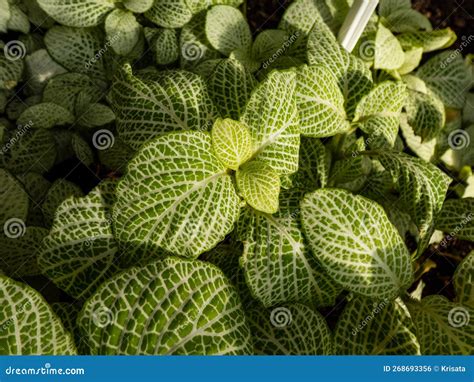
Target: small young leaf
(356, 243)
(45, 116)
(231, 142)
(260, 186)
(388, 51)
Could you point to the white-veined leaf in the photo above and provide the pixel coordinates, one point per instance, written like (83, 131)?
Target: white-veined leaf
(150, 311)
(14, 203)
(292, 329)
(45, 116)
(138, 6)
(259, 185)
(123, 31)
(227, 30)
(230, 86)
(429, 40)
(10, 72)
(231, 142)
(448, 77)
(356, 243)
(457, 218)
(59, 191)
(149, 107)
(77, 13)
(320, 103)
(164, 43)
(177, 196)
(29, 325)
(443, 327)
(78, 253)
(277, 265)
(388, 51)
(272, 118)
(376, 327)
(463, 281)
(169, 13)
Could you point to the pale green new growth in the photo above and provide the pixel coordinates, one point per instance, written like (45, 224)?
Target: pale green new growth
(231, 142)
(260, 186)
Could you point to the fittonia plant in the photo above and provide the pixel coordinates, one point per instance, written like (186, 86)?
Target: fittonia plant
(241, 184)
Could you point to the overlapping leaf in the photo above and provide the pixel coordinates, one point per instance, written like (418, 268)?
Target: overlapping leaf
(457, 218)
(170, 306)
(356, 243)
(463, 281)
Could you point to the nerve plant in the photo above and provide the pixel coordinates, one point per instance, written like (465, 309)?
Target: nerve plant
(251, 183)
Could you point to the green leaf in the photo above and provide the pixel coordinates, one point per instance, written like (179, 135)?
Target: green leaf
(40, 68)
(356, 243)
(122, 30)
(350, 173)
(448, 77)
(79, 251)
(388, 51)
(293, 329)
(376, 327)
(146, 108)
(59, 191)
(259, 185)
(227, 30)
(29, 325)
(5, 15)
(272, 118)
(278, 267)
(230, 87)
(30, 150)
(231, 142)
(354, 77)
(75, 13)
(200, 5)
(422, 188)
(11, 66)
(269, 44)
(378, 113)
(194, 46)
(457, 218)
(413, 58)
(462, 280)
(82, 150)
(425, 114)
(19, 254)
(138, 6)
(14, 203)
(77, 49)
(94, 115)
(63, 89)
(443, 327)
(169, 13)
(313, 167)
(18, 19)
(164, 43)
(177, 196)
(116, 156)
(429, 41)
(150, 311)
(45, 116)
(405, 20)
(320, 103)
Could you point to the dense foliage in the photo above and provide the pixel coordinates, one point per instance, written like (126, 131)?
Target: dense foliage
(246, 184)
